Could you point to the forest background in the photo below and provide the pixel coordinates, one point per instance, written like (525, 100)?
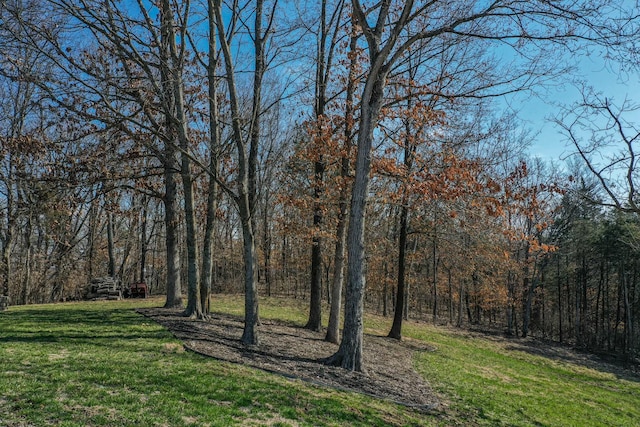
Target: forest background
(283, 148)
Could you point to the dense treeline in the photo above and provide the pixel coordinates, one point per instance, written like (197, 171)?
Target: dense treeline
(236, 147)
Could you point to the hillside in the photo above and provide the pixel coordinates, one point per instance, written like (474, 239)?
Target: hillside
(103, 364)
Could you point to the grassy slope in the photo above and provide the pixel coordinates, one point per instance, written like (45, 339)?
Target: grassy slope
(101, 364)
(494, 383)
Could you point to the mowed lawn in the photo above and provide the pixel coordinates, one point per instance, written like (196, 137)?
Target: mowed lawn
(102, 364)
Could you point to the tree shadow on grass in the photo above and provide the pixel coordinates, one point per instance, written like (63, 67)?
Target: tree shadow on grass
(72, 326)
(566, 354)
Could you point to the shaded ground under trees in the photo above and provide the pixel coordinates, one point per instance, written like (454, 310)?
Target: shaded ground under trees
(290, 350)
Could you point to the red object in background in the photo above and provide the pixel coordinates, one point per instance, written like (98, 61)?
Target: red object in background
(138, 290)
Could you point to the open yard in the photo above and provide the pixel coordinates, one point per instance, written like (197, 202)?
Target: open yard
(104, 364)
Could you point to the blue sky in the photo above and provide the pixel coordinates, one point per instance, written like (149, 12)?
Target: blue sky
(535, 110)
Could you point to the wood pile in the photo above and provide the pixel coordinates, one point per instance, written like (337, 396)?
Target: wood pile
(4, 302)
(104, 288)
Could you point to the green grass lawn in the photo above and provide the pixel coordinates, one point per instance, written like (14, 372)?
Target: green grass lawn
(101, 364)
(500, 384)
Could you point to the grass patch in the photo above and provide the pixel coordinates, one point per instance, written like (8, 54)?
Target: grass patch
(493, 382)
(101, 364)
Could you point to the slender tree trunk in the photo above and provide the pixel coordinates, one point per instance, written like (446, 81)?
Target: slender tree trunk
(559, 285)
(567, 285)
(111, 269)
(250, 334)
(338, 272)
(207, 274)
(401, 289)
(510, 303)
(628, 317)
(207, 252)
(341, 229)
(434, 273)
(143, 242)
(450, 296)
(468, 305)
(606, 314)
(244, 198)
(385, 291)
(598, 325)
(125, 254)
(577, 320)
(315, 302)
(314, 322)
(405, 309)
(528, 286)
(396, 327)
(174, 69)
(266, 235)
(259, 41)
(93, 220)
(194, 306)
(252, 317)
(26, 278)
(8, 237)
(460, 299)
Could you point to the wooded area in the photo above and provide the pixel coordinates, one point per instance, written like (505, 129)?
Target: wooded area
(355, 154)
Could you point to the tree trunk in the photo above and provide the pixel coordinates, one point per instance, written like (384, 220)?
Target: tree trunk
(249, 334)
(396, 328)
(341, 229)
(460, 299)
(266, 234)
(175, 90)
(91, 235)
(194, 306)
(450, 296)
(510, 303)
(174, 291)
(207, 275)
(528, 287)
(559, 286)
(26, 278)
(246, 187)
(315, 301)
(338, 272)
(402, 296)
(349, 354)
(628, 317)
(111, 269)
(143, 242)
(435, 273)
(8, 237)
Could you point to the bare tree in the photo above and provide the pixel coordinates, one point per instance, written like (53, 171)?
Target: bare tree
(135, 98)
(21, 128)
(605, 137)
(329, 23)
(333, 334)
(246, 146)
(392, 29)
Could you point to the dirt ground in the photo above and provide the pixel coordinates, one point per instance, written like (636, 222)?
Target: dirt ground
(294, 352)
